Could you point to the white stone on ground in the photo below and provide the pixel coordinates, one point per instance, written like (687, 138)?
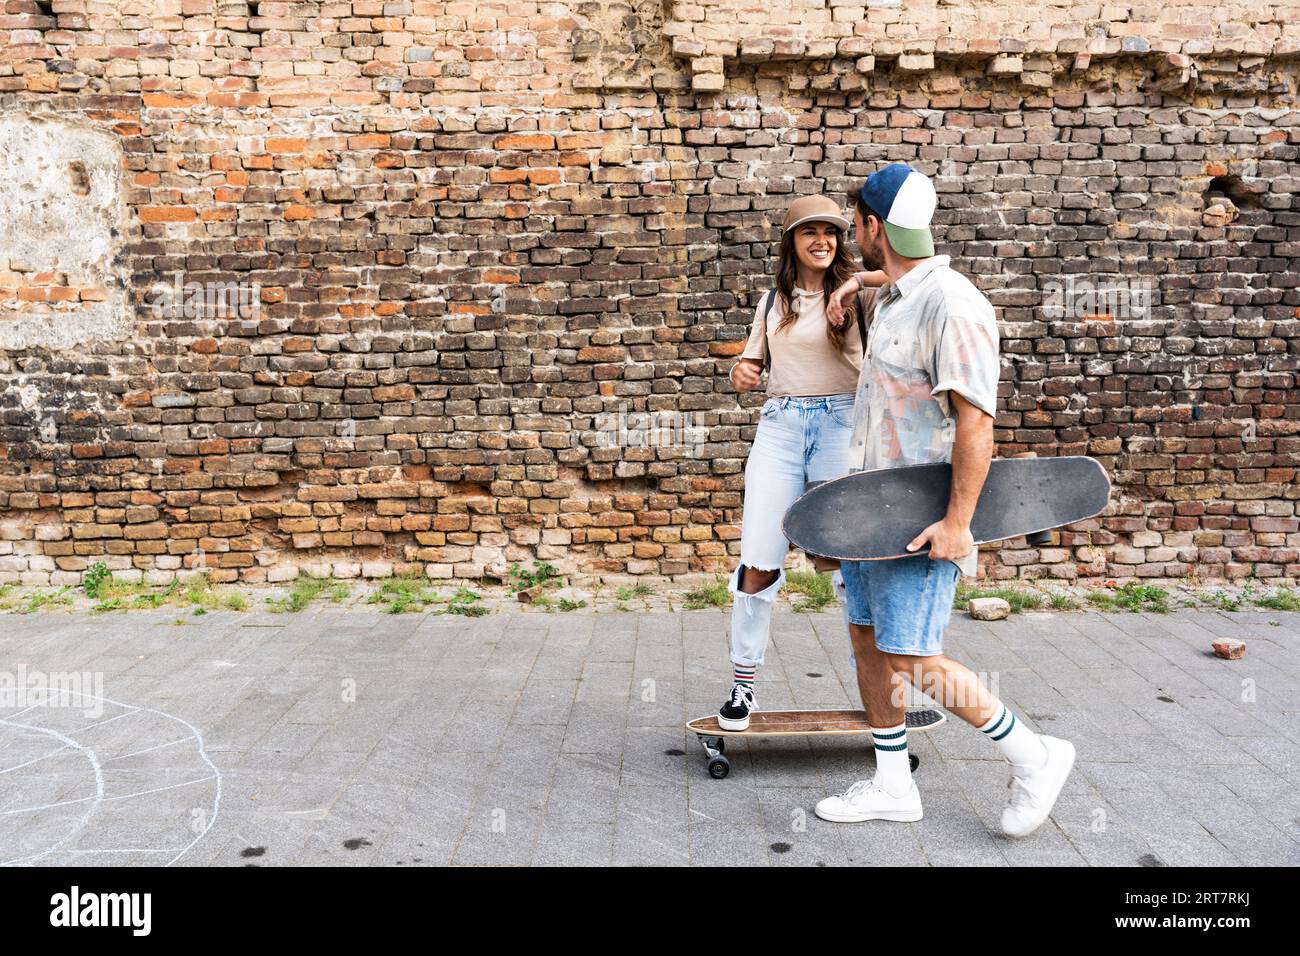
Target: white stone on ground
(989, 609)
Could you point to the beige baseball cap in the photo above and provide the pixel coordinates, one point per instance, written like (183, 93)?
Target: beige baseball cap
(814, 209)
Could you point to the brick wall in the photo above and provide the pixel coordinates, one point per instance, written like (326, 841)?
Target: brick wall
(459, 239)
(1030, 39)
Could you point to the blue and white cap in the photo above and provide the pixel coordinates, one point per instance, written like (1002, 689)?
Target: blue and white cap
(904, 200)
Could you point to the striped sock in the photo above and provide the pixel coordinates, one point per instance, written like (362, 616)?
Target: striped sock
(1018, 743)
(744, 674)
(893, 770)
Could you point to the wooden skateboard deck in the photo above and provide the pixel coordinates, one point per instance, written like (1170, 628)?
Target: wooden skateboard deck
(771, 723)
(873, 515)
(795, 723)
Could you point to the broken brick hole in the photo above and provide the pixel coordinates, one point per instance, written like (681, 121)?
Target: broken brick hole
(1242, 195)
(80, 178)
(471, 489)
(644, 485)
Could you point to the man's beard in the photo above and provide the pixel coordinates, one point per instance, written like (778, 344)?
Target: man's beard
(873, 258)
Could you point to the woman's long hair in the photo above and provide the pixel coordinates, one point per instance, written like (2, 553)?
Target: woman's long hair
(839, 272)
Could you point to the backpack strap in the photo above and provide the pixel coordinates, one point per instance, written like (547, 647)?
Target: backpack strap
(767, 307)
(863, 299)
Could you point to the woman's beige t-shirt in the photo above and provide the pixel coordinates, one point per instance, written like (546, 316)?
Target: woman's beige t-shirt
(804, 361)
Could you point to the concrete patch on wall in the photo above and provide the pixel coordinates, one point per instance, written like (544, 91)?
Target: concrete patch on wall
(620, 45)
(62, 208)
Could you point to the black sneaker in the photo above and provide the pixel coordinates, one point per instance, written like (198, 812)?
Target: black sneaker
(734, 714)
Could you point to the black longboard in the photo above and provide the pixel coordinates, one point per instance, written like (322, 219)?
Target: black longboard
(873, 515)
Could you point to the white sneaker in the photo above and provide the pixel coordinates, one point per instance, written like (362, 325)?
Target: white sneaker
(865, 801)
(1034, 795)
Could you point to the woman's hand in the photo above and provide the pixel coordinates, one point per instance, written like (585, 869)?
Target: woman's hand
(745, 374)
(836, 309)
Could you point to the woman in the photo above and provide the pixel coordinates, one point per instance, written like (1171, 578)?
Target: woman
(804, 427)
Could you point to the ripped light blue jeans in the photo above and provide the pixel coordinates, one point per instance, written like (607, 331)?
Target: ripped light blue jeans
(800, 439)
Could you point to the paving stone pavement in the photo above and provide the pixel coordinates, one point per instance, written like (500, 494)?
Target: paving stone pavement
(351, 737)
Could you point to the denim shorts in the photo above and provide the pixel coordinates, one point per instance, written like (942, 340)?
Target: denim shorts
(907, 600)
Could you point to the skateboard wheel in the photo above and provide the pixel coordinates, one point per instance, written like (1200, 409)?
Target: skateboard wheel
(914, 760)
(719, 767)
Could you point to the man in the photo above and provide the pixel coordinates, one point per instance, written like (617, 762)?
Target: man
(927, 392)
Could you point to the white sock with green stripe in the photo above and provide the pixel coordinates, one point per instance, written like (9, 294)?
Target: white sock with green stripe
(893, 770)
(1018, 743)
